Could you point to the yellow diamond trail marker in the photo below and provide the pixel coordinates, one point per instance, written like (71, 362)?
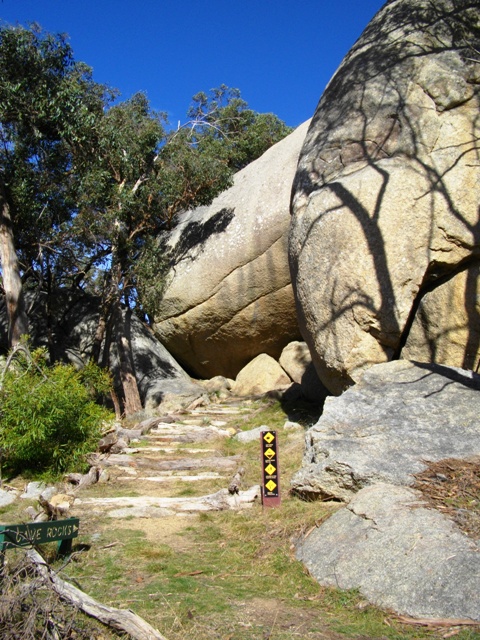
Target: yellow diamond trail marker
(270, 470)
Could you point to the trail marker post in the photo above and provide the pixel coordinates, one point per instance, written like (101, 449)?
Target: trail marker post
(270, 469)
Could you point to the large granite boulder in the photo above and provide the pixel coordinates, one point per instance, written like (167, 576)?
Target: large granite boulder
(388, 427)
(385, 238)
(228, 295)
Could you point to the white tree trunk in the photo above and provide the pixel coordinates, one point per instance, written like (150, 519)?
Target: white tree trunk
(12, 283)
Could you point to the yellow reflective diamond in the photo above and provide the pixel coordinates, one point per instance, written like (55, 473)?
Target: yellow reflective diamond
(269, 438)
(270, 485)
(270, 453)
(270, 469)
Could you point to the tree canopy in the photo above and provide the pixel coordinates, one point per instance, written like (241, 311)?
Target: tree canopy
(86, 182)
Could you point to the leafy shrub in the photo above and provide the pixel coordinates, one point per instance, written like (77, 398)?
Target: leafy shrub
(48, 418)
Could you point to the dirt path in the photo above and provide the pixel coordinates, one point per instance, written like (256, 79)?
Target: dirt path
(180, 454)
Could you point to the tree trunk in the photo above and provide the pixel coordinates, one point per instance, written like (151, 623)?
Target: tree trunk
(12, 283)
(132, 400)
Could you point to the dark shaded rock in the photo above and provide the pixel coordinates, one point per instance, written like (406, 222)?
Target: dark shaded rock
(74, 321)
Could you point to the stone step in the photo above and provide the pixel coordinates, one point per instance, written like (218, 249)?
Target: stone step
(182, 429)
(220, 411)
(156, 449)
(184, 464)
(169, 476)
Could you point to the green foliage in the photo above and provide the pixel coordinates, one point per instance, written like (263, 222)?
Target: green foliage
(48, 419)
(49, 105)
(223, 123)
(88, 185)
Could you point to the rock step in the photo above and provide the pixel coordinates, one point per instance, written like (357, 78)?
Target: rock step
(169, 476)
(154, 449)
(158, 507)
(157, 439)
(190, 429)
(184, 464)
(220, 411)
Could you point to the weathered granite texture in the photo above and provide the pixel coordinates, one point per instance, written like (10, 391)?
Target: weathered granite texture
(386, 205)
(388, 426)
(228, 295)
(401, 555)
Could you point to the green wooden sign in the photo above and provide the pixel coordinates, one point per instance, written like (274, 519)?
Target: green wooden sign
(23, 535)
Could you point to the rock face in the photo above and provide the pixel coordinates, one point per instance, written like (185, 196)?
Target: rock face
(388, 427)
(384, 244)
(401, 555)
(365, 448)
(228, 295)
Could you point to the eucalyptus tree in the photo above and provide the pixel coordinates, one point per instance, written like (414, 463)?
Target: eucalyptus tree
(142, 176)
(86, 184)
(223, 119)
(48, 104)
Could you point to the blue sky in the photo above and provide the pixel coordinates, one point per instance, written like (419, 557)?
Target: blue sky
(279, 53)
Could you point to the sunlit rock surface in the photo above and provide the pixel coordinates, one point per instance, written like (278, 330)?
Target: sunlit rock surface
(386, 205)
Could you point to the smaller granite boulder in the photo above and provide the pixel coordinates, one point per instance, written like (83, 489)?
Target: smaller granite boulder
(170, 395)
(7, 497)
(399, 554)
(297, 362)
(261, 375)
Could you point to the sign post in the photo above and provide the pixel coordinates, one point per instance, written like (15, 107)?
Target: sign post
(270, 469)
(24, 535)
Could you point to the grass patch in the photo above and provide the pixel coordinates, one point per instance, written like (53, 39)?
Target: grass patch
(229, 575)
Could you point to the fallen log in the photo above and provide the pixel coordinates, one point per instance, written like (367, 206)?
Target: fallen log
(236, 481)
(122, 620)
(82, 480)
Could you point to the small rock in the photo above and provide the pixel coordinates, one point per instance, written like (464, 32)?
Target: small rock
(120, 445)
(7, 497)
(49, 493)
(107, 442)
(104, 476)
(251, 435)
(292, 426)
(33, 490)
